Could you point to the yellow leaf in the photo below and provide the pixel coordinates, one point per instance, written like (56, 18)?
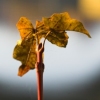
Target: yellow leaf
(26, 53)
(62, 21)
(25, 27)
(56, 21)
(59, 38)
(75, 25)
(25, 50)
(23, 69)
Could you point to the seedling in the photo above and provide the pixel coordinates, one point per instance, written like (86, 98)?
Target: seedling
(29, 49)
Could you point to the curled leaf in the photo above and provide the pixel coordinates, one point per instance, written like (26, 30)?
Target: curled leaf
(25, 50)
(75, 25)
(25, 27)
(57, 21)
(26, 53)
(62, 21)
(59, 38)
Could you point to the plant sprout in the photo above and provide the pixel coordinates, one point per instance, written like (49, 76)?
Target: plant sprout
(29, 49)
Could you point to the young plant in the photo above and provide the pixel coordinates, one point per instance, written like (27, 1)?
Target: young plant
(29, 50)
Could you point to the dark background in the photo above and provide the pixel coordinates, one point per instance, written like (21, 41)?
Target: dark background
(71, 73)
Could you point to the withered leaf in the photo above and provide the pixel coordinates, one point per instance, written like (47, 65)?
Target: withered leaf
(25, 27)
(53, 29)
(62, 21)
(59, 38)
(26, 50)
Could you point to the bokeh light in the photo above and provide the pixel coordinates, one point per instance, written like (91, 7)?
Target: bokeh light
(90, 9)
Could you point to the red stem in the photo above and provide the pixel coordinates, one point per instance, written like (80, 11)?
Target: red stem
(40, 69)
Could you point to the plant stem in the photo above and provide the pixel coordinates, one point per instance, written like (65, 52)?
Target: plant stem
(40, 69)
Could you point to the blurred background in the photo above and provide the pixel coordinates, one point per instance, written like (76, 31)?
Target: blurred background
(71, 73)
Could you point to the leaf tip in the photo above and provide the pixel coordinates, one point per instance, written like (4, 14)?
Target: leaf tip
(87, 33)
(23, 69)
(89, 36)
